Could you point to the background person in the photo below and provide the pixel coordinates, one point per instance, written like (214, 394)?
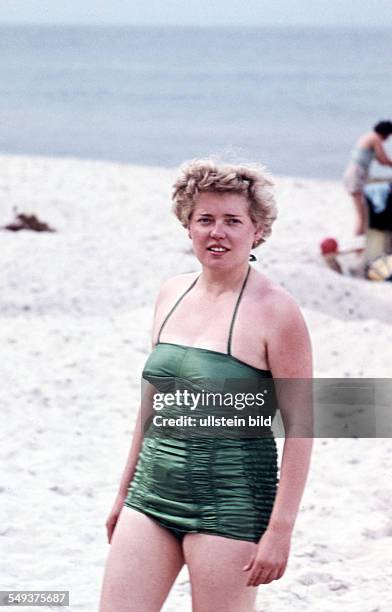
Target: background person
(368, 147)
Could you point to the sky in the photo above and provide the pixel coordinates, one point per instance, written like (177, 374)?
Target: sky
(199, 12)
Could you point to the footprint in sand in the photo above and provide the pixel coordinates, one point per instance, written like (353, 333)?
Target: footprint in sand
(378, 534)
(312, 578)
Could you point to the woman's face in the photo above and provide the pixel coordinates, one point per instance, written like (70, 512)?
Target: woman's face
(221, 229)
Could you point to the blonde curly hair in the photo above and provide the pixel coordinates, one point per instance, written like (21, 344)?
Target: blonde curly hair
(200, 175)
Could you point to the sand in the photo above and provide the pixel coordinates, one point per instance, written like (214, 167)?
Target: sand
(76, 308)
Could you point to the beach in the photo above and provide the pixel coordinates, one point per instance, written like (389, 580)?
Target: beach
(76, 312)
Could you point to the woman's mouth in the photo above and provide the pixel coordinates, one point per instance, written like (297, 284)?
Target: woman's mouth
(217, 249)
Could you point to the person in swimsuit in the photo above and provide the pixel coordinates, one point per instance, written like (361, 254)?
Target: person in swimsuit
(213, 503)
(368, 148)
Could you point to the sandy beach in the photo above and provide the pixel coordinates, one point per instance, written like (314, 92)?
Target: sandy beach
(76, 308)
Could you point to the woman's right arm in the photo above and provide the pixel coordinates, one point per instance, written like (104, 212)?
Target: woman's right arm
(143, 416)
(144, 413)
(145, 410)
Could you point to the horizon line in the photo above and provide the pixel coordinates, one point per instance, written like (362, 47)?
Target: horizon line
(348, 26)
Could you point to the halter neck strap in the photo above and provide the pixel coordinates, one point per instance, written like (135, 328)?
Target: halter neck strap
(235, 313)
(175, 306)
(232, 318)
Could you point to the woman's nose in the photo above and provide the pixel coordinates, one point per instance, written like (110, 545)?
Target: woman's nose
(218, 231)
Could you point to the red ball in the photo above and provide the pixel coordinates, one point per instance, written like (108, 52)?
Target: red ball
(329, 245)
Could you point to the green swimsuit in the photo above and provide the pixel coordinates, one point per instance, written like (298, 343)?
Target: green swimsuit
(223, 486)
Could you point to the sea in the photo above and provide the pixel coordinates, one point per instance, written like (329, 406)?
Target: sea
(294, 99)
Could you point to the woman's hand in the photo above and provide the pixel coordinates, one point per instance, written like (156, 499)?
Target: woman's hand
(113, 516)
(270, 559)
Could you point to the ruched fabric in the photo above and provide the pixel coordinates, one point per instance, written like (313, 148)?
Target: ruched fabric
(220, 486)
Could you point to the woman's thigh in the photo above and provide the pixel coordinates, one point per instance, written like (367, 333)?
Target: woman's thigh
(217, 579)
(143, 562)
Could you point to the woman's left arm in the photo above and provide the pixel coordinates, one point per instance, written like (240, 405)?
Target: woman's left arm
(381, 154)
(290, 361)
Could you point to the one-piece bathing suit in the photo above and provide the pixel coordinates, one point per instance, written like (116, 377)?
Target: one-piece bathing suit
(211, 484)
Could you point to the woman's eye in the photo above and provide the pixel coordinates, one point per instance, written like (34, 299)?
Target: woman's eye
(206, 220)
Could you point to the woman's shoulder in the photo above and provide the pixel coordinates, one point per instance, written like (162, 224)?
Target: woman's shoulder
(176, 284)
(286, 335)
(368, 140)
(275, 300)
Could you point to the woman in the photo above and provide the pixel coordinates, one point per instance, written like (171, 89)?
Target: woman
(213, 503)
(368, 147)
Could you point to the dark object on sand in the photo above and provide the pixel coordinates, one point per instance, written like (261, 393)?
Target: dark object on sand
(378, 197)
(30, 222)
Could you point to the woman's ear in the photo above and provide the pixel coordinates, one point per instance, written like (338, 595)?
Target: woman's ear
(258, 234)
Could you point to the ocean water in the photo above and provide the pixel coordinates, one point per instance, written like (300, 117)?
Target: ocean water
(294, 99)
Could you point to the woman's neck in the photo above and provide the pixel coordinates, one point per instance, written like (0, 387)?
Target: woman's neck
(218, 282)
